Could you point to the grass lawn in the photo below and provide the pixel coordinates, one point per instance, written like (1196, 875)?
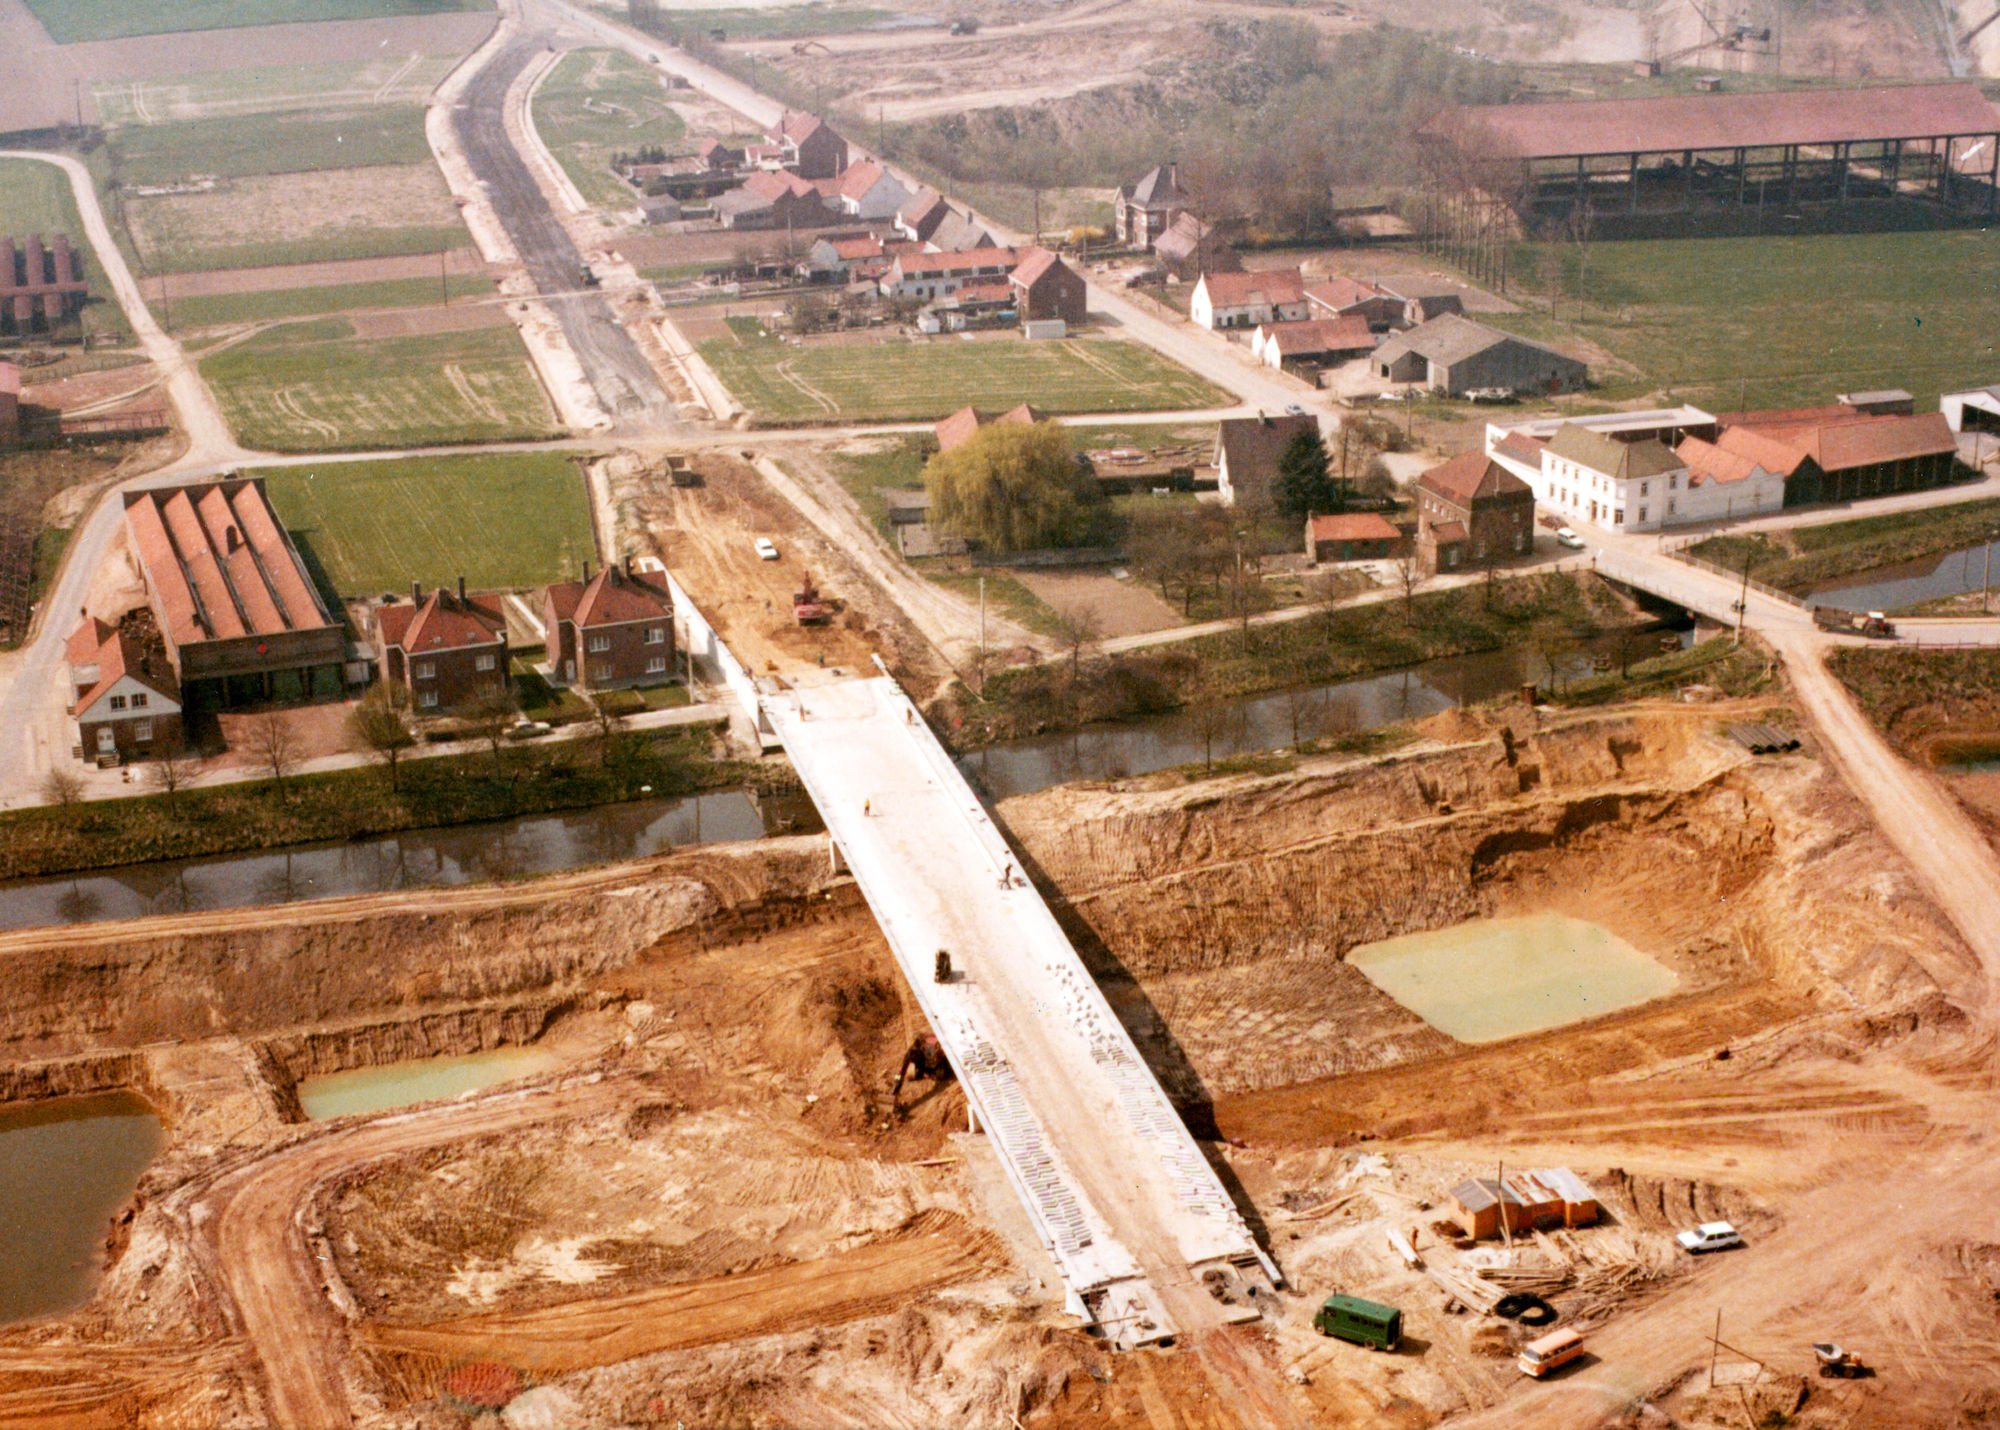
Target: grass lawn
(1797, 559)
(777, 22)
(1929, 703)
(399, 79)
(597, 103)
(189, 255)
(503, 522)
(71, 21)
(217, 309)
(924, 380)
(36, 198)
(899, 463)
(309, 387)
(1779, 321)
(232, 145)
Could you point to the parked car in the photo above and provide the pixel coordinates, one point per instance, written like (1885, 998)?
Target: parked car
(528, 729)
(1567, 537)
(1293, 409)
(767, 549)
(1709, 1236)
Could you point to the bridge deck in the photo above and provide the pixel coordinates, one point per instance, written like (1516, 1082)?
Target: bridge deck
(1119, 1191)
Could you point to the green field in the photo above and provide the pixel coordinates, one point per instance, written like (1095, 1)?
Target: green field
(900, 381)
(295, 143)
(36, 198)
(189, 256)
(777, 22)
(189, 314)
(503, 522)
(310, 387)
(597, 103)
(72, 21)
(1779, 321)
(343, 84)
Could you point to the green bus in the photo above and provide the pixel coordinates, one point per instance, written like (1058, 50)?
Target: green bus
(1366, 1323)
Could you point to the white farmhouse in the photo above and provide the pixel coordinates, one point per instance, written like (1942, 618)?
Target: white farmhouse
(1248, 300)
(1634, 481)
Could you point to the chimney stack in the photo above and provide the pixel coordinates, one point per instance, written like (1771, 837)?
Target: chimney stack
(461, 590)
(416, 593)
(631, 564)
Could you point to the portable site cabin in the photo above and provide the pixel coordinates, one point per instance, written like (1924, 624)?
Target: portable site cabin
(1551, 1196)
(1365, 1323)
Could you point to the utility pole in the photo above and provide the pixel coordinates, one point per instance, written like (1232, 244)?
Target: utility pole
(982, 636)
(444, 284)
(1714, 1347)
(1986, 579)
(1743, 602)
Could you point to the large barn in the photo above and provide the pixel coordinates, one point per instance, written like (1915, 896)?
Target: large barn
(1936, 144)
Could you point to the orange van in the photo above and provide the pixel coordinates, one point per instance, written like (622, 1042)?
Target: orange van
(1550, 1353)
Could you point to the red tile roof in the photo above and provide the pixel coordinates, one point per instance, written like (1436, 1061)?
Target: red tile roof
(1707, 462)
(1766, 452)
(1843, 441)
(1791, 416)
(1522, 448)
(857, 179)
(1354, 526)
(959, 428)
(1034, 263)
(1468, 476)
(118, 655)
(851, 249)
(441, 622)
(1720, 121)
(611, 598)
(962, 261)
(769, 184)
(1233, 290)
(1339, 293)
(218, 564)
(1345, 334)
(86, 640)
(1446, 532)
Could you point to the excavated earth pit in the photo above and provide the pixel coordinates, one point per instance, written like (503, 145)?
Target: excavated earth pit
(739, 1224)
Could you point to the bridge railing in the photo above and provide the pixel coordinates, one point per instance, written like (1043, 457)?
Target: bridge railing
(1683, 553)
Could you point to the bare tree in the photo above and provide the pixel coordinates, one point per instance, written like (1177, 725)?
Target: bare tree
(1246, 594)
(174, 771)
(274, 744)
(379, 725)
(63, 788)
(1213, 718)
(1079, 629)
(610, 730)
(1410, 574)
(1307, 712)
(488, 719)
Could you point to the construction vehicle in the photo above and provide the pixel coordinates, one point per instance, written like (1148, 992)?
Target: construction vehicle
(1874, 623)
(1835, 1363)
(807, 607)
(925, 1060)
(1365, 1323)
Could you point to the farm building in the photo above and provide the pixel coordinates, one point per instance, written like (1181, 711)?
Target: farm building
(719, 157)
(867, 190)
(1546, 1198)
(1974, 411)
(1626, 471)
(1247, 300)
(1190, 248)
(806, 145)
(1883, 402)
(239, 615)
(1046, 287)
(1455, 355)
(125, 699)
(1248, 450)
(1471, 511)
(1937, 144)
(933, 275)
(41, 285)
(1837, 453)
(772, 200)
(1144, 211)
(1313, 344)
(614, 629)
(1351, 536)
(443, 651)
(962, 425)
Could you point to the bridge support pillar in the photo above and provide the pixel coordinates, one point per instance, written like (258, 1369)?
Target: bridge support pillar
(836, 862)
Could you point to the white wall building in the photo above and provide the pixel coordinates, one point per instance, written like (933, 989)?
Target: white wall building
(1221, 301)
(1586, 475)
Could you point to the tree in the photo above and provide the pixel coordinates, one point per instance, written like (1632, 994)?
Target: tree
(174, 771)
(379, 725)
(63, 788)
(274, 745)
(1553, 637)
(1409, 575)
(1246, 595)
(1078, 629)
(1213, 717)
(488, 720)
(610, 730)
(1307, 711)
(1014, 487)
(1304, 485)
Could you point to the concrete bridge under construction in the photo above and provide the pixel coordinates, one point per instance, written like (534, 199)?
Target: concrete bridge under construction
(1146, 1237)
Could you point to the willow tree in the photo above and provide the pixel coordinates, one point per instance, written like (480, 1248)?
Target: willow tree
(1014, 487)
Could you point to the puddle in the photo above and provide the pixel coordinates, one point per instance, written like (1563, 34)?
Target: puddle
(391, 1085)
(66, 1166)
(1496, 978)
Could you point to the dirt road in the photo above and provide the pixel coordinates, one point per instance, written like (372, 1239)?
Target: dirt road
(258, 1241)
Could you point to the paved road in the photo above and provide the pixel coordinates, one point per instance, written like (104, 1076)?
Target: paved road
(624, 380)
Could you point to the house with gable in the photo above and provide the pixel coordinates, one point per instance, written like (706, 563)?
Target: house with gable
(867, 190)
(124, 697)
(1471, 511)
(958, 232)
(613, 630)
(1143, 211)
(921, 214)
(444, 650)
(1222, 301)
(1247, 453)
(807, 145)
(1452, 354)
(1045, 287)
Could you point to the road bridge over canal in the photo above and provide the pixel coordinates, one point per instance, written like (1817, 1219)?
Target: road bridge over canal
(1140, 1226)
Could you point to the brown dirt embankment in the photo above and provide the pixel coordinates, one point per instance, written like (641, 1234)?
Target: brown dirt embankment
(253, 971)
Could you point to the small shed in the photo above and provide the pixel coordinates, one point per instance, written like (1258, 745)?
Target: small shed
(1354, 536)
(1888, 401)
(1547, 1197)
(907, 508)
(1476, 1204)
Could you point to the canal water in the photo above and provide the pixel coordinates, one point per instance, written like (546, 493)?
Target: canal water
(66, 1166)
(1895, 588)
(1497, 978)
(417, 858)
(1118, 750)
(378, 1089)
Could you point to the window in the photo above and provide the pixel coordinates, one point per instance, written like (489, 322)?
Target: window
(143, 732)
(1673, 484)
(1642, 514)
(1619, 520)
(1672, 503)
(657, 665)
(599, 643)
(427, 699)
(484, 662)
(427, 670)
(117, 702)
(1645, 489)
(601, 671)
(139, 700)
(656, 635)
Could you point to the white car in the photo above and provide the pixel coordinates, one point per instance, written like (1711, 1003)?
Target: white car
(767, 549)
(1567, 537)
(1293, 409)
(1709, 1236)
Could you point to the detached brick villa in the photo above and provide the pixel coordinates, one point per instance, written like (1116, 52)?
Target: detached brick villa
(615, 629)
(444, 650)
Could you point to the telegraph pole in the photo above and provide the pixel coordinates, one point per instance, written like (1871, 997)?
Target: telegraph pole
(1743, 608)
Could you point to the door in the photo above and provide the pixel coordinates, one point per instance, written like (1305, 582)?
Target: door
(107, 743)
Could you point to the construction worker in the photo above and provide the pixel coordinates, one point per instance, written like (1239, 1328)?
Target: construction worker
(866, 807)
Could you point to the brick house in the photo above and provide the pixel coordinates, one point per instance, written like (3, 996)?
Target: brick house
(772, 200)
(615, 629)
(1472, 511)
(1247, 453)
(1145, 210)
(718, 157)
(809, 147)
(919, 218)
(1046, 287)
(1351, 536)
(937, 275)
(127, 704)
(444, 650)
